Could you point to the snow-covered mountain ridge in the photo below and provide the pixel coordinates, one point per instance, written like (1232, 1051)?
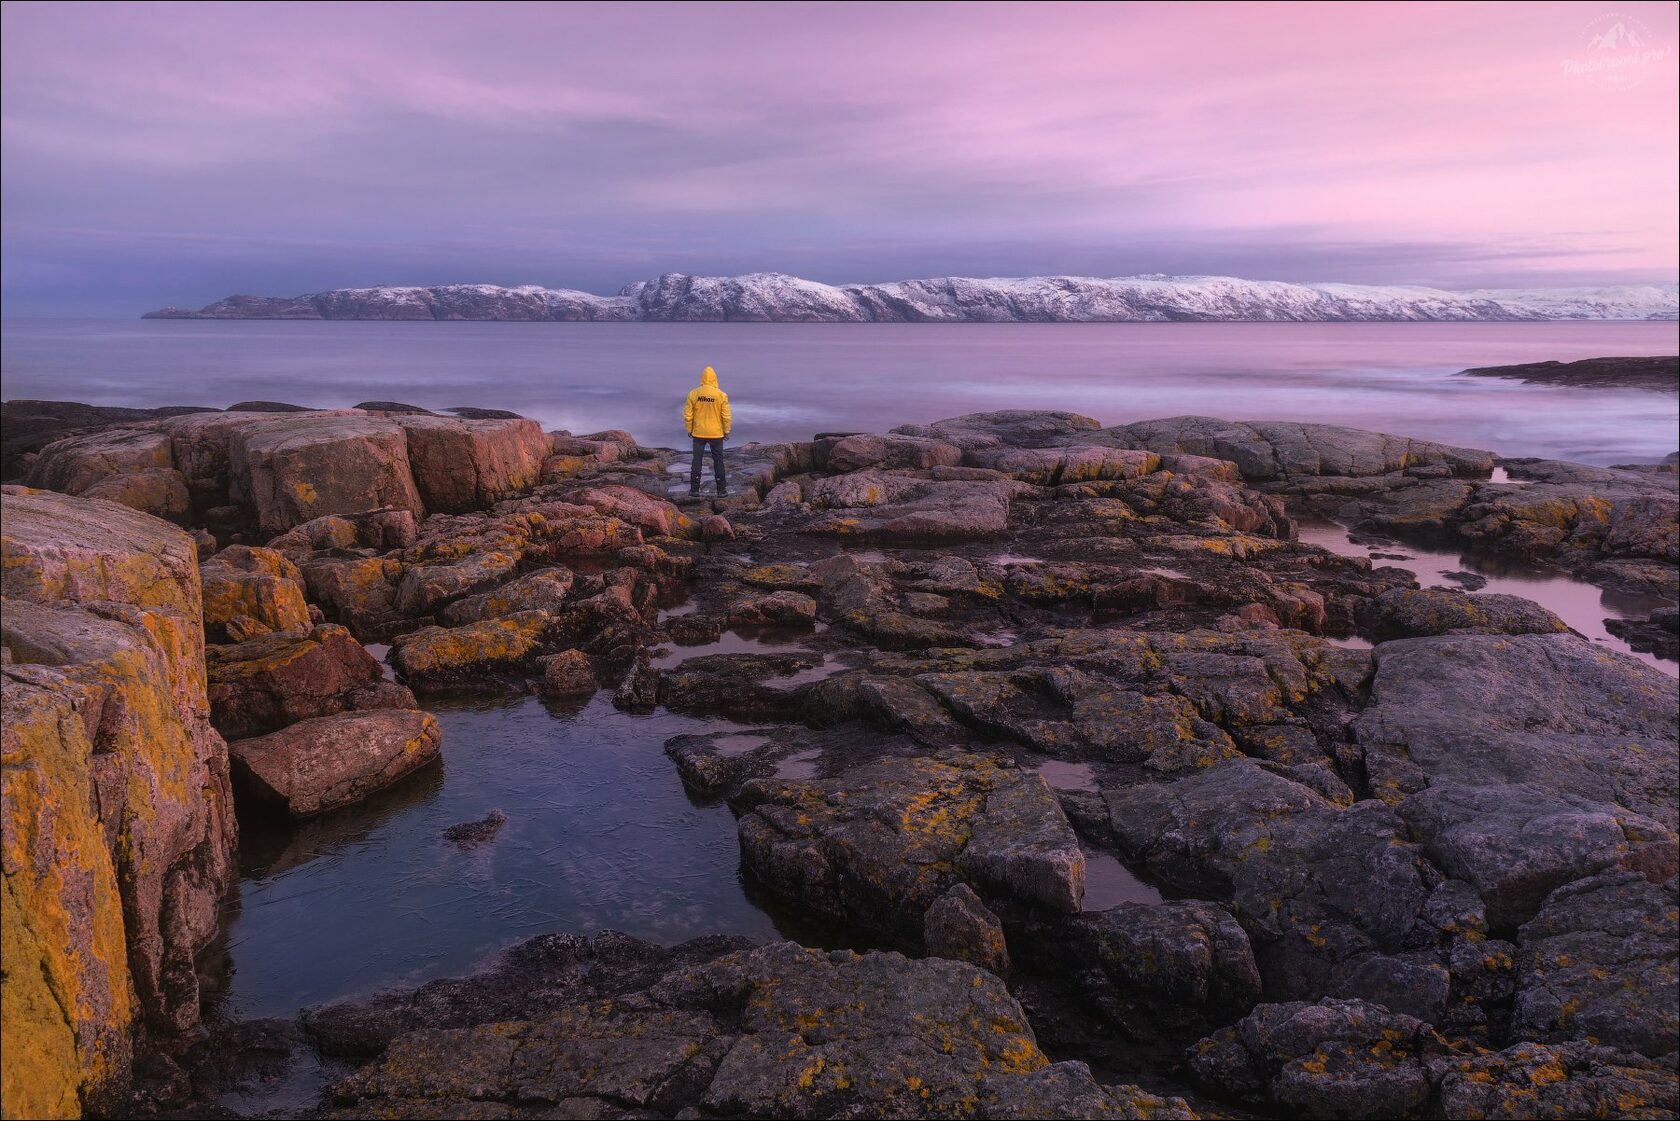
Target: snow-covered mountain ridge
(777, 298)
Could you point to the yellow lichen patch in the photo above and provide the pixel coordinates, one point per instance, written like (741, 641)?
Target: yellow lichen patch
(66, 1006)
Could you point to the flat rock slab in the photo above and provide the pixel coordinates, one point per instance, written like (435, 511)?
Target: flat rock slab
(779, 1031)
(332, 761)
(1553, 710)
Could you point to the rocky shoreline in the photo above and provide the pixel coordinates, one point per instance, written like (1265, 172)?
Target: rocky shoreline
(1659, 372)
(1410, 851)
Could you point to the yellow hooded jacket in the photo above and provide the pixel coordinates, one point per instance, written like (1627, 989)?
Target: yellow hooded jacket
(706, 412)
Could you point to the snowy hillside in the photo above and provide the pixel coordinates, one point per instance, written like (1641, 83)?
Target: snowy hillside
(778, 298)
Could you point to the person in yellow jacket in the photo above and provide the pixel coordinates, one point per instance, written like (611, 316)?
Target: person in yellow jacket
(706, 416)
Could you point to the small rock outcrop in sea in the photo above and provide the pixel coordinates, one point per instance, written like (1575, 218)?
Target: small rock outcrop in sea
(476, 832)
(1139, 805)
(1660, 372)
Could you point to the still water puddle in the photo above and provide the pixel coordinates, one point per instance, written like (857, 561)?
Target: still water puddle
(1109, 882)
(1063, 775)
(765, 641)
(1581, 605)
(599, 834)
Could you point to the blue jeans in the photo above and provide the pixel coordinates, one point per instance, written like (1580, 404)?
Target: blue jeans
(700, 446)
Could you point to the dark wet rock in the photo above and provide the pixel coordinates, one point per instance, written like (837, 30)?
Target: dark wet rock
(639, 691)
(476, 832)
(741, 686)
(469, 412)
(876, 846)
(1661, 372)
(267, 407)
(1469, 581)
(1598, 963)
(265, 683)
(959, 926)
(1415, 612)
(1658, 633)
(773, 1032)
(567, 674)
(393, 408)
(1169, 967)
(535, 977)
(30, 426)
(332, 761)
(1068, 1090)
(1335, 1058)
(1318, 888)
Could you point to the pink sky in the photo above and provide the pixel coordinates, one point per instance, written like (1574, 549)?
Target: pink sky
(282, 148)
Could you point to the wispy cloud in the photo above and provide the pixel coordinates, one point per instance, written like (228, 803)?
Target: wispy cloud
(586, 143)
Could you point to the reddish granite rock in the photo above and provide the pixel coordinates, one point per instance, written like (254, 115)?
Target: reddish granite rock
(462, 465)
(295, 468)
(332, 761)
(265, 683)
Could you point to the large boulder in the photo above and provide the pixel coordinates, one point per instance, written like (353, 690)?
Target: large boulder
(298, 467)
(118, 817)
(332, 761)
(75, 463)
(264, 683)
(462, 465)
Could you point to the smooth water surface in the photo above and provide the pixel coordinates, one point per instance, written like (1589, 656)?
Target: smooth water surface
(600, 834)
(790, 380)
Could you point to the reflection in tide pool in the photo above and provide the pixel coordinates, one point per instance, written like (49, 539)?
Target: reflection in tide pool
(1108, 882)
(600, 834)
(1581, 605)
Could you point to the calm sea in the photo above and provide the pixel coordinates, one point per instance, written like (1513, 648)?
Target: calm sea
(791, 380)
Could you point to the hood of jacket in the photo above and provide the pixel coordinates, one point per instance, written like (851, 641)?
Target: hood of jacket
(708, 378)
